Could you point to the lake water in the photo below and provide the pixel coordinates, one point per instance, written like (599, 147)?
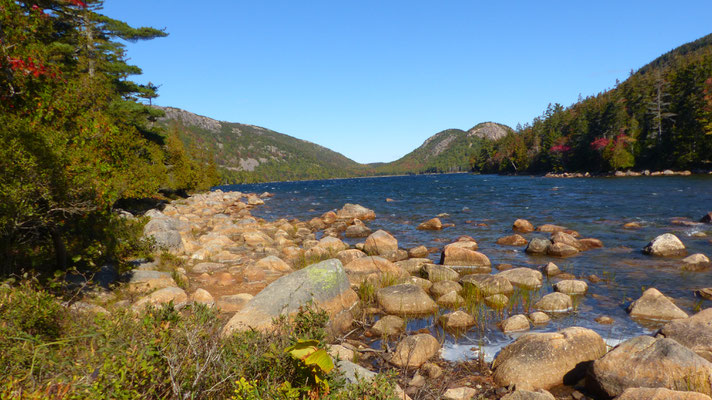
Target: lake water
(595, 207)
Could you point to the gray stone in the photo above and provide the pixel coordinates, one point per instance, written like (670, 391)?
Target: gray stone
(325, 284)
(538, 246)
(666, 245)
(694, 332)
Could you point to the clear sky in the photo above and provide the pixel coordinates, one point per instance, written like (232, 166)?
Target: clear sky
(374, 79)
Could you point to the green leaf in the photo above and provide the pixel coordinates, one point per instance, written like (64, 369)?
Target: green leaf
(320, 358)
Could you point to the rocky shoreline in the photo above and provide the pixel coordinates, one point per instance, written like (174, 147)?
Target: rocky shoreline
(254, 270)
(629, 173)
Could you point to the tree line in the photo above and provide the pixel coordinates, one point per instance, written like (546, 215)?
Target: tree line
(77, 136)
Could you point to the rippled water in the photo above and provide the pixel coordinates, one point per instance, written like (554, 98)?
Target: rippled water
(595, 207)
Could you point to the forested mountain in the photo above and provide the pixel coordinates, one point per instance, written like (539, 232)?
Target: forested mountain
(248, 153)
(447, 151)
(660, 117)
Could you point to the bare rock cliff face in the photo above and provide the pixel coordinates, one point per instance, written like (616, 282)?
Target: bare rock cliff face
(488, 130)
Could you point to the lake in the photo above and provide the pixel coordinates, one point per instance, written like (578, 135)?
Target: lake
(485, 206)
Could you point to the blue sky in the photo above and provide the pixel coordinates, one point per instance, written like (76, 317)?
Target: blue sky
(374, 79)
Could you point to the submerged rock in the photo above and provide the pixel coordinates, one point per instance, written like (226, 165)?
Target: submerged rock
(707, 218)
(650, 362)
(666, 245)
(544, 360)
(515, 323)
(522, 225)
(554, 302)
(570, 287)
(433, 224)
(653, 305)
(457, 320)
(488, 285)
(512, 240)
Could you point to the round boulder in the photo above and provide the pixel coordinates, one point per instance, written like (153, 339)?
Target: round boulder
(512, 240)
(522, 225)
(488, 285)
(554, 303)
(571, 287)
(405, 299)
(390, 325)
(414, 351)
(525, 278)
(433, 224)
(515, 323)
(457, 320)
(538, 246)
(380, 243)
(666, 245)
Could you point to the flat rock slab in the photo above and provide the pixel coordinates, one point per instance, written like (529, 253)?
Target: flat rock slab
(544, 360)
(325, 284)
(143, 281)
(525, 278)
(645, 361)
(694, 332)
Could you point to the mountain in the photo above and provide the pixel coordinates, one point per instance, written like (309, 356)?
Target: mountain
(659, 118)
(447, 151)
(247, 153)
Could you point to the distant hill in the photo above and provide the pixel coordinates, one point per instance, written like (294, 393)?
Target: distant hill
(447, 151)
(658, 118)
(248, 153)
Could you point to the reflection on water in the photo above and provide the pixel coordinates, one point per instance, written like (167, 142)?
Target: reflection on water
(484, 207)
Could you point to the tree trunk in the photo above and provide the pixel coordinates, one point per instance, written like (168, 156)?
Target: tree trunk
(60, 250)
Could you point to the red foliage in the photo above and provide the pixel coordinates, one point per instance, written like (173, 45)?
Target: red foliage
(78, 3)
(560, 148)
(600, 144)
(28, 67)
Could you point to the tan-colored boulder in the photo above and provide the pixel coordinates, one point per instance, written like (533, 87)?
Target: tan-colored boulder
(357, 230)
(256, 239)
(590, 243)
(437, 273)
(275, 264)
(487, 285)
(162, 296)
(660, 394)
(202, 296)
(457, 320)
(554, 303)
(444, 287)
(650, 362)
(515, 323)
(696, 259)
(565, 238)
(414, 265)
(694, 332)
(346, 256)
(539, 318)
(561, 250)
(551, 228)
(351, 211)
(405, 299)
(459, 393)
(233, 302)
(632, 225)
(380, 243)
(525, 278)
(497, 301)
(418, 252)
(456, 255)
(571, 287)
(433, 224)
(544, 360)
(414, 351)
(653, 305)
(144, 281)
(551, 269)
(450, 300)
(540, 394)
(665, 245)
(512, 240)
(522, 225)
(389, 325)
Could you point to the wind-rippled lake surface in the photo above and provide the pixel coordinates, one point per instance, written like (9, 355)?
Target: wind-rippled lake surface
(595, 207)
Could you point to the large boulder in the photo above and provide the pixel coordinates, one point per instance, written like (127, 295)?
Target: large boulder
(413, 265)
(665, 245)
(358, 230)
(414, 351)
(525, 278)
(405, 299)
(694, 332)
(352, 211)
(487, 285)
(359, 269)
(433, 224)
(380, 243)
(522, 225)
(544, 360)
(165, 231)
(653, 305)
(272, 263)
(324, 284)
(650, 362)
(660, 394)
(346, 256)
